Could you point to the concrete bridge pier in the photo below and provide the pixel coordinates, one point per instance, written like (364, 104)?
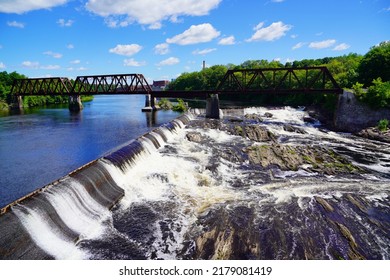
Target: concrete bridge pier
(75, 104)
(212, 107)
(17, 103)
(150, 104)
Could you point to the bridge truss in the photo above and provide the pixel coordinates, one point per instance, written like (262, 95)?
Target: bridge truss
(238, 81)
(83, 85)
(279, 81)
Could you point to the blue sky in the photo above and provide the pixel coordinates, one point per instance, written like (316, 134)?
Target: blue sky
(163, 38)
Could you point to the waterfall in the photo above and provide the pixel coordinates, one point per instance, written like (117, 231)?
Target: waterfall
(77, 207)
(192, 189)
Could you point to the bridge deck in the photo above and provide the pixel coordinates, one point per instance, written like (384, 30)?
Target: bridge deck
(237, 81)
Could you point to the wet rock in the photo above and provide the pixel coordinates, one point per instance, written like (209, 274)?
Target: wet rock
(228, 235)
(374, 133)
(291, 128)
(254, 117)
(235, 120)
(194, 137)
(268, 115)
(308, 119)
(286, 157)
(253, 132)
(324, 204)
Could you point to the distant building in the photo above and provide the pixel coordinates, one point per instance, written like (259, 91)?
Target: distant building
(160, 85)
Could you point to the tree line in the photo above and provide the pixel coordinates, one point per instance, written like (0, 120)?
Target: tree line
(353, 71)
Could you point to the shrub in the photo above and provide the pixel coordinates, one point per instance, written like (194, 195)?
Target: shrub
(383, 125)
(180, 106)
(165, 104)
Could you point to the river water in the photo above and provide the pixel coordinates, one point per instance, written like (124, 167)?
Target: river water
(44, 144)
(191, 191)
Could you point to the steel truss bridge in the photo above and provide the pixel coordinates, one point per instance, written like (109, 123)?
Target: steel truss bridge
(240, 81)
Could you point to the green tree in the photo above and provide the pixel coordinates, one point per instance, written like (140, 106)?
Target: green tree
(375, 64)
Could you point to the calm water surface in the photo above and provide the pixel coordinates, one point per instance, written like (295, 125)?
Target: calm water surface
(44, 144)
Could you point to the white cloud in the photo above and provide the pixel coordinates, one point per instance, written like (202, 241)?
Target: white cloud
(23, 6)
(30, 64)
(277, 1)
(132, 62)
(36, 65)
(53, 54)
(161, 48)
(299, 45)
(50, 67)
(152, 12)
(65, 23)
(15, 24)
(2, 65)
(113, 22)
(341, 47)
(76, 69)
(127, 50)
(203, 52)
(70, 46)
(77, 61)
(201, 33)
(322, 44)
(169, 61)
(227, 41)
(271, 33)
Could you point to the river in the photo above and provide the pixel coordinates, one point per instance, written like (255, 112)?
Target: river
(44, 144)
(263, 183)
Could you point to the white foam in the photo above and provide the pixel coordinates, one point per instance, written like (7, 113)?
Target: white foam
(49, 239)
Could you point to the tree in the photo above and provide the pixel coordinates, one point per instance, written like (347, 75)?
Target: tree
(375, 64)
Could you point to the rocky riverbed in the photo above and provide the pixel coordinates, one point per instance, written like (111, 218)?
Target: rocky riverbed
(259, 184)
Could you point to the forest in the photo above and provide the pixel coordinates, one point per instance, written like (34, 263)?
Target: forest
(367, 75)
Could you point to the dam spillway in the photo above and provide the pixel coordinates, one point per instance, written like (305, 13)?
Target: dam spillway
(260, 184)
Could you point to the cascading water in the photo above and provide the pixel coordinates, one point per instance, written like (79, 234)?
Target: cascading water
(221, 190)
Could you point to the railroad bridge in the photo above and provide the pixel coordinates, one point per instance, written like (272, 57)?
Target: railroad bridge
(317, 80)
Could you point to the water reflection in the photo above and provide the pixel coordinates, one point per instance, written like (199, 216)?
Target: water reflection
(40, 145)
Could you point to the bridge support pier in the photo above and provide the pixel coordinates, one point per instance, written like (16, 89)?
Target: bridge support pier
(212, 107)
(17, 104)
(150, 104)
(75, 104)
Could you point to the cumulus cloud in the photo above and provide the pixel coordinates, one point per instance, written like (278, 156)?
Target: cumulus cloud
(70, 46)
(341, 47)
(169, 61)
(65, 23)
(203, 52)
(152, 12)
(161, 48)
(270, 33)
(322, 44)
(114, 22)
(23, 6)
(134, 63)
(127, 50)
(201, 33)
(298, 46)
(30, 64)
(2, 65)
(50, 67)
(15, 24)
(227, 41)
(77, 61)
(36, 65)
(53, 54)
